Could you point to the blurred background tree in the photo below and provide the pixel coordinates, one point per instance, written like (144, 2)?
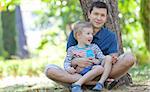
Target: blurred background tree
(145, 21)
(9, 32)
(12, 36)
(132, 32)
(2, 51)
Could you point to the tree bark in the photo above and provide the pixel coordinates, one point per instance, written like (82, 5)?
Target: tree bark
(112, 23)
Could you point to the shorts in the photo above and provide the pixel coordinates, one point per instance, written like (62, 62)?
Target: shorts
(86, 69)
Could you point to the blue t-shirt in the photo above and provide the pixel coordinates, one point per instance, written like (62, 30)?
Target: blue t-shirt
(105, 39)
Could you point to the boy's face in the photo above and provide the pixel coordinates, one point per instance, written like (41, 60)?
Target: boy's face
(86, 36)
(98, 17)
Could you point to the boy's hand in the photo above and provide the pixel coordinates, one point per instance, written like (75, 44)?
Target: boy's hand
(81, 62)
(71, 70)
(91, 60)
(94, 61)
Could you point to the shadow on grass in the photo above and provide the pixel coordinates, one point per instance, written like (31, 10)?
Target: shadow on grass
(59, 88)
(34, 88)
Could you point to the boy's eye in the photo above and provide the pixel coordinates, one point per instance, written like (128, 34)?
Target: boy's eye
(102, 15)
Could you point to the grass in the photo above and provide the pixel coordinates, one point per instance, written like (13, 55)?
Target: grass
(140, 73)
(34, 67)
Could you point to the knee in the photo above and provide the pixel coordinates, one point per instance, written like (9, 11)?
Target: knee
(50, 70)
(100, 69)
(130, 59)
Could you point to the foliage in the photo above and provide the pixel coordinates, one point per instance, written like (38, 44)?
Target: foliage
(8, 4)
(65, 11)
(30, 67)
(51, 37)
(132, 33)
(35, 66)
(54, 20)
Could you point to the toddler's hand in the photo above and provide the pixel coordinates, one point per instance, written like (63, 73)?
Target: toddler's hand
(71, 70)
(91, 60)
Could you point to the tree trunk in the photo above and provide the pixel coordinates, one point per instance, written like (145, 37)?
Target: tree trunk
(22, 44)
(113, 24)
(9, 32)
(145, 21)
(1, 39)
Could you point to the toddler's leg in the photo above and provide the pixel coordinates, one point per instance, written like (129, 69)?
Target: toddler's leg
(107, 69)
(96, 70)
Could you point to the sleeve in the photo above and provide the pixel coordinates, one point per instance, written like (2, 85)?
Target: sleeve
(113, 48)
(71, 41)
(68, 58)
(99, 54)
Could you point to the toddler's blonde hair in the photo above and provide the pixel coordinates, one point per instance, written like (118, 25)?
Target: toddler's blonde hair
(79, 27)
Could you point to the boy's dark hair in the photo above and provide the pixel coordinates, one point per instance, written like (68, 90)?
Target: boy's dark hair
(98, 4)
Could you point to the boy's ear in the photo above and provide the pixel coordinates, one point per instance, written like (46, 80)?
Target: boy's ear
(78, 34)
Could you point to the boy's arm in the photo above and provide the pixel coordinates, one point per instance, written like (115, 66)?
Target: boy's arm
(68, 58)
(81, 62)
(94, 61)
(99, 54)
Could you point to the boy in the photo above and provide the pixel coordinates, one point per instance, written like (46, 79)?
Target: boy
(83, 33)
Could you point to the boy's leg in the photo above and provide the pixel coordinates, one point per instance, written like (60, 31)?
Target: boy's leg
(96, 70)
(121, 67)
(107, 69)
(59, 75)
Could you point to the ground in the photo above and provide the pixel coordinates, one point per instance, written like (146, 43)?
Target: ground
(43, 84)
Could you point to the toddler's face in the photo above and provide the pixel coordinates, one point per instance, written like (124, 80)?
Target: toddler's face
(86, 36)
